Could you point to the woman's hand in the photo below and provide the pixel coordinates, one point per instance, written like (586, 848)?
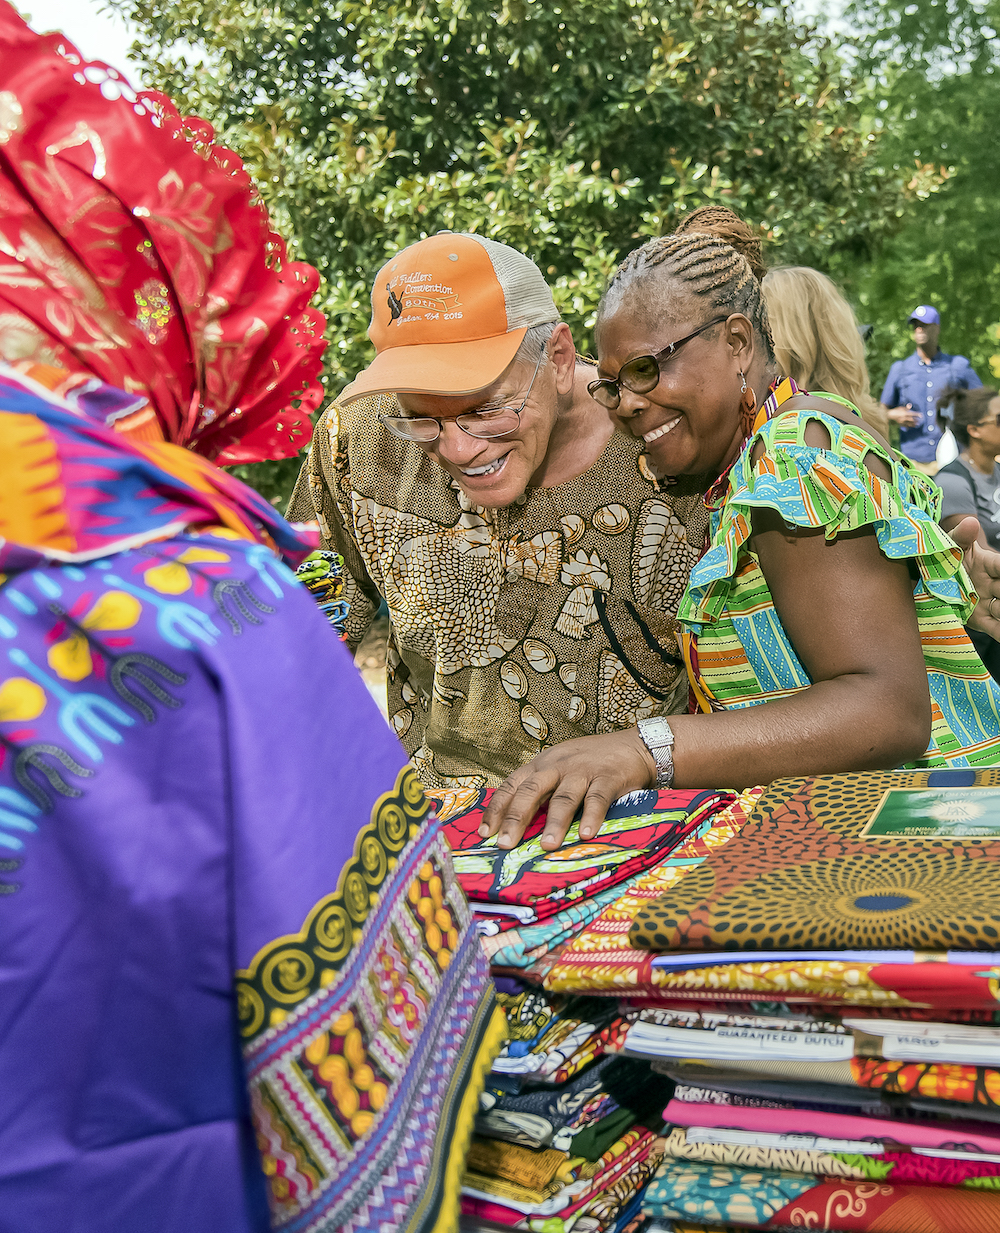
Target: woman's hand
(983, 565)
(595, 770)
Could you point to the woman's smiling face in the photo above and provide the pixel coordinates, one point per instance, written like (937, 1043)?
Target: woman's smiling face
(691, 421)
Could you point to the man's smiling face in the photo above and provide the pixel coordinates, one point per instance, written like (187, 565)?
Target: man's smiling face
(495, 471)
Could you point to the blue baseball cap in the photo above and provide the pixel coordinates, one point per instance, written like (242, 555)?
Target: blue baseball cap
(925, 315)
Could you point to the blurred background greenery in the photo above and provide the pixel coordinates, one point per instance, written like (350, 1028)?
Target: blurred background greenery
(576, 129)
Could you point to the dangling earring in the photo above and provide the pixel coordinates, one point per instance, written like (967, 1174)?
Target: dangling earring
(748, 405)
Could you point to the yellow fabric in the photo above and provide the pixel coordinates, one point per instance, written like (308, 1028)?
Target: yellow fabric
(31, 496)
(513, 1163)
(571, 1168)
(502, 1189)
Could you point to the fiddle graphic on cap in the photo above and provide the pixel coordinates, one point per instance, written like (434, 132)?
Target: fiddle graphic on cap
(395, 304)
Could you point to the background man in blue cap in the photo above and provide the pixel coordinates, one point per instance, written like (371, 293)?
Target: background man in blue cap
(914, 384)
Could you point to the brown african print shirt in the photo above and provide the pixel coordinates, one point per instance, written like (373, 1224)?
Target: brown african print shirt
(511, 629)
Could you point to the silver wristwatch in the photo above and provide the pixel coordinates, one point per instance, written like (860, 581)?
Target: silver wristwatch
(658, 737)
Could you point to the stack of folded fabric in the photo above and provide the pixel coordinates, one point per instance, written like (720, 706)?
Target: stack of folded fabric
(531, 901)
(793, 1096)
(817, 969)
(829, 1013)
(570, 1135)
(569, 1132)
(599, 958)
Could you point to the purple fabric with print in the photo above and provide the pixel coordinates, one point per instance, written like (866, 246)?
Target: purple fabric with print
(175, 793)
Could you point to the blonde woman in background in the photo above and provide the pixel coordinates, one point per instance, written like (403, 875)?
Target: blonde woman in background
(816, 338)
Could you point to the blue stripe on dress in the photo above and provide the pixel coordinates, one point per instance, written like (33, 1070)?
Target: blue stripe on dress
(768, 651)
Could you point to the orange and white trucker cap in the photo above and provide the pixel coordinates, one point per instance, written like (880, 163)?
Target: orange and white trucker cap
(448, 315)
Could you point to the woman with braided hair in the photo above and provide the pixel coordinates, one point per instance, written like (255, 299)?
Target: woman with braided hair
(826, 589)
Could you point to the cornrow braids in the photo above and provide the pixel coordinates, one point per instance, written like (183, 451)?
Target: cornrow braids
(714, 255)
(722, 223)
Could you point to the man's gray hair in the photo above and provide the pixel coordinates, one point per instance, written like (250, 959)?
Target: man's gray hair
(534, 343)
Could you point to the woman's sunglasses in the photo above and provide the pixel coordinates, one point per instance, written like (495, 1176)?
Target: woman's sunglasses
(643, 373)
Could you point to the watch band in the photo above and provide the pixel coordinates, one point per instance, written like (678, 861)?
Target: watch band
(658, 737)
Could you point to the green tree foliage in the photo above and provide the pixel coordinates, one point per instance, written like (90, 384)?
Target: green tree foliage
(572, 129)
(936, 66)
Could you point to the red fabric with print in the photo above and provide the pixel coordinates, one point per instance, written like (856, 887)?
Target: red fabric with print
(641, 830)
(878, 1207)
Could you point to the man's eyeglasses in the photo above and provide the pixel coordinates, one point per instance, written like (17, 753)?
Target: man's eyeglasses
(487, 422)
(643, 373)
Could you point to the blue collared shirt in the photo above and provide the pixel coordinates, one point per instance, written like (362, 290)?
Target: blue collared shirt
(919, 384)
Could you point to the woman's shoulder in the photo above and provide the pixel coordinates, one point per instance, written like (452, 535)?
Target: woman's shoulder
(958, 472)
(816, 407)
(848, 482)
(816, 452)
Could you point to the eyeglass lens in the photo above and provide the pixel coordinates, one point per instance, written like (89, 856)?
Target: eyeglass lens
(497, 422)
(490, 423)
(639, 375)
(643, 373)
(483, 424)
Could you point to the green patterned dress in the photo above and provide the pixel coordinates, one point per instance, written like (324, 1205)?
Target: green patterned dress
(736, 649)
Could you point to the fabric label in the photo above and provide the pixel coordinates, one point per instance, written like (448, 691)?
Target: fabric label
(935, 813)
(787, 1143)
(940, 1049)
(741, 1042)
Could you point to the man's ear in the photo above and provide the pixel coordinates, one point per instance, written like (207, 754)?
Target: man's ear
(562, 355)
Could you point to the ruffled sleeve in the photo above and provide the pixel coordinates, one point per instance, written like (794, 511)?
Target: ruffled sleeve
(833, 489)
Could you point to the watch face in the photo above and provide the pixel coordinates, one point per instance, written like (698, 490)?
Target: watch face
(658, 730)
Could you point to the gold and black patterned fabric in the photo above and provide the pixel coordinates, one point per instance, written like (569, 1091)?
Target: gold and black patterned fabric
(511, 629)
(876, 860)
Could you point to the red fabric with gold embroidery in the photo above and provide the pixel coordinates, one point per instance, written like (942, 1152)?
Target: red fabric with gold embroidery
(139, 253)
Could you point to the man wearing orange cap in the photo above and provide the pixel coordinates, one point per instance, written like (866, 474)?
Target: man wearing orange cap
(529, 562)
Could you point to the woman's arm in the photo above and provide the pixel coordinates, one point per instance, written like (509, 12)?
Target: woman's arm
(849, 613)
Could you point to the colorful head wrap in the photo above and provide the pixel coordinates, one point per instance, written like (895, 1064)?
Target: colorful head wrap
(72, 490)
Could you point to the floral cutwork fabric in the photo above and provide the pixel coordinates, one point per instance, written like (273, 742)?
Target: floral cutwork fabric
(157, 274)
